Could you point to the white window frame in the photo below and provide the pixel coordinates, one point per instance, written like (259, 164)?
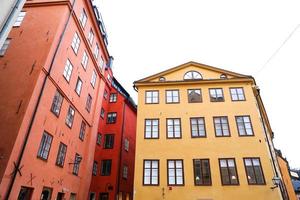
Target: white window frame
(85, 60)
(83, 18)
(94, 79)
(68, 70)
(96, 51)
(91, 37)
(19, 19)
(75, 43)
(5, 46)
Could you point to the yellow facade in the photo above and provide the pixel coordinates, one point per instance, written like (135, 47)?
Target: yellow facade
(209, 147)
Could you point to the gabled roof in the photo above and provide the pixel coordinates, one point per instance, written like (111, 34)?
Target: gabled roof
(192, 63)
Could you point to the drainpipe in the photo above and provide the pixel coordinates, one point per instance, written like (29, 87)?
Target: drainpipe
(121, 150)
(258, 97)
(12, 181)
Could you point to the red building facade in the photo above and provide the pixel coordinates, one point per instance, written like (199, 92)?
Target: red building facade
(113, 170)
(54, 72)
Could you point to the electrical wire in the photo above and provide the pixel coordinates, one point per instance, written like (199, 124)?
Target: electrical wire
(277, 50)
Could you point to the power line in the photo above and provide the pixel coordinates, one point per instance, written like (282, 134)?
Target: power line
(278, 49)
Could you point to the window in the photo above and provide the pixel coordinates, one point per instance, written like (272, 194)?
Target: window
(95, 168)
(111, 118)
(173, 128)
(190, 75)
(99, 139)
(5, 46)
(82, 130)
(151, 128)
(102, 113)
(202, 172)
(91, 37)
(105, 94)
(94, 78)
(244, 125)
(77, 161)
(223, 76)
(109, 141)
(56, 103)
(237, 94)
(198, 127)
(75, 43)
(73, 196)
(126, 144)
(19, 19)
(104, 196)
(78, 86)
(194, 96)
(113, 97)
(105, 167)
(101, 63)
(152, 97)
(216, 95)
(96, 51)
(221, 126)
(68, 70)
(125, 172)
(109, 78)
(25, 193)
(151, 172)
(88, 103)
(85, 60)
(45, 146)
(228, 171)
(255, 175)
(83, 18)
(70, 117)
(62, 150)
(172, 96)
(162, 79)
(175, 172)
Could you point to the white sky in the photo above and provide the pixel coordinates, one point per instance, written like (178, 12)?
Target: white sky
(146, 37)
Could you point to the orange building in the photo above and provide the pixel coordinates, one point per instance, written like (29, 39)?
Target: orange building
(288, 188)
(52, 79)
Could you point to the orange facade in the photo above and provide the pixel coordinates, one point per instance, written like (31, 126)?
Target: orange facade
(49, 121)
(286, 177)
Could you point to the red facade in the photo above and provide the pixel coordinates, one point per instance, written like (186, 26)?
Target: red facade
(51, 101)
(118, 121)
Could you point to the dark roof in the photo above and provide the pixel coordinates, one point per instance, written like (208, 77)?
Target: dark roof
(121, 90)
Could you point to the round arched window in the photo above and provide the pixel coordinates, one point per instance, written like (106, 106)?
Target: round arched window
(162, 78)
(192, 75)
(223, 76)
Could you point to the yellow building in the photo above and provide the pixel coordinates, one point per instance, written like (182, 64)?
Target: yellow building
(203, 134)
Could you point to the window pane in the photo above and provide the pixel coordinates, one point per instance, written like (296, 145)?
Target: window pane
(251, 175)
(146, 180)
(147, 164)
(225, 176)
(171, 180)
(154, 180)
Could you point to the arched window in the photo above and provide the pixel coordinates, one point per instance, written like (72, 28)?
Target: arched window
(192, 75)
(223, 76)
(162, 78)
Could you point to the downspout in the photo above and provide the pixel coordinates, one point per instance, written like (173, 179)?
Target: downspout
(121, 150)
(11, 183)
(258, 97)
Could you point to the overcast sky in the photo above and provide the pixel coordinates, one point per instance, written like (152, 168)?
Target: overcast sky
(146, 37)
